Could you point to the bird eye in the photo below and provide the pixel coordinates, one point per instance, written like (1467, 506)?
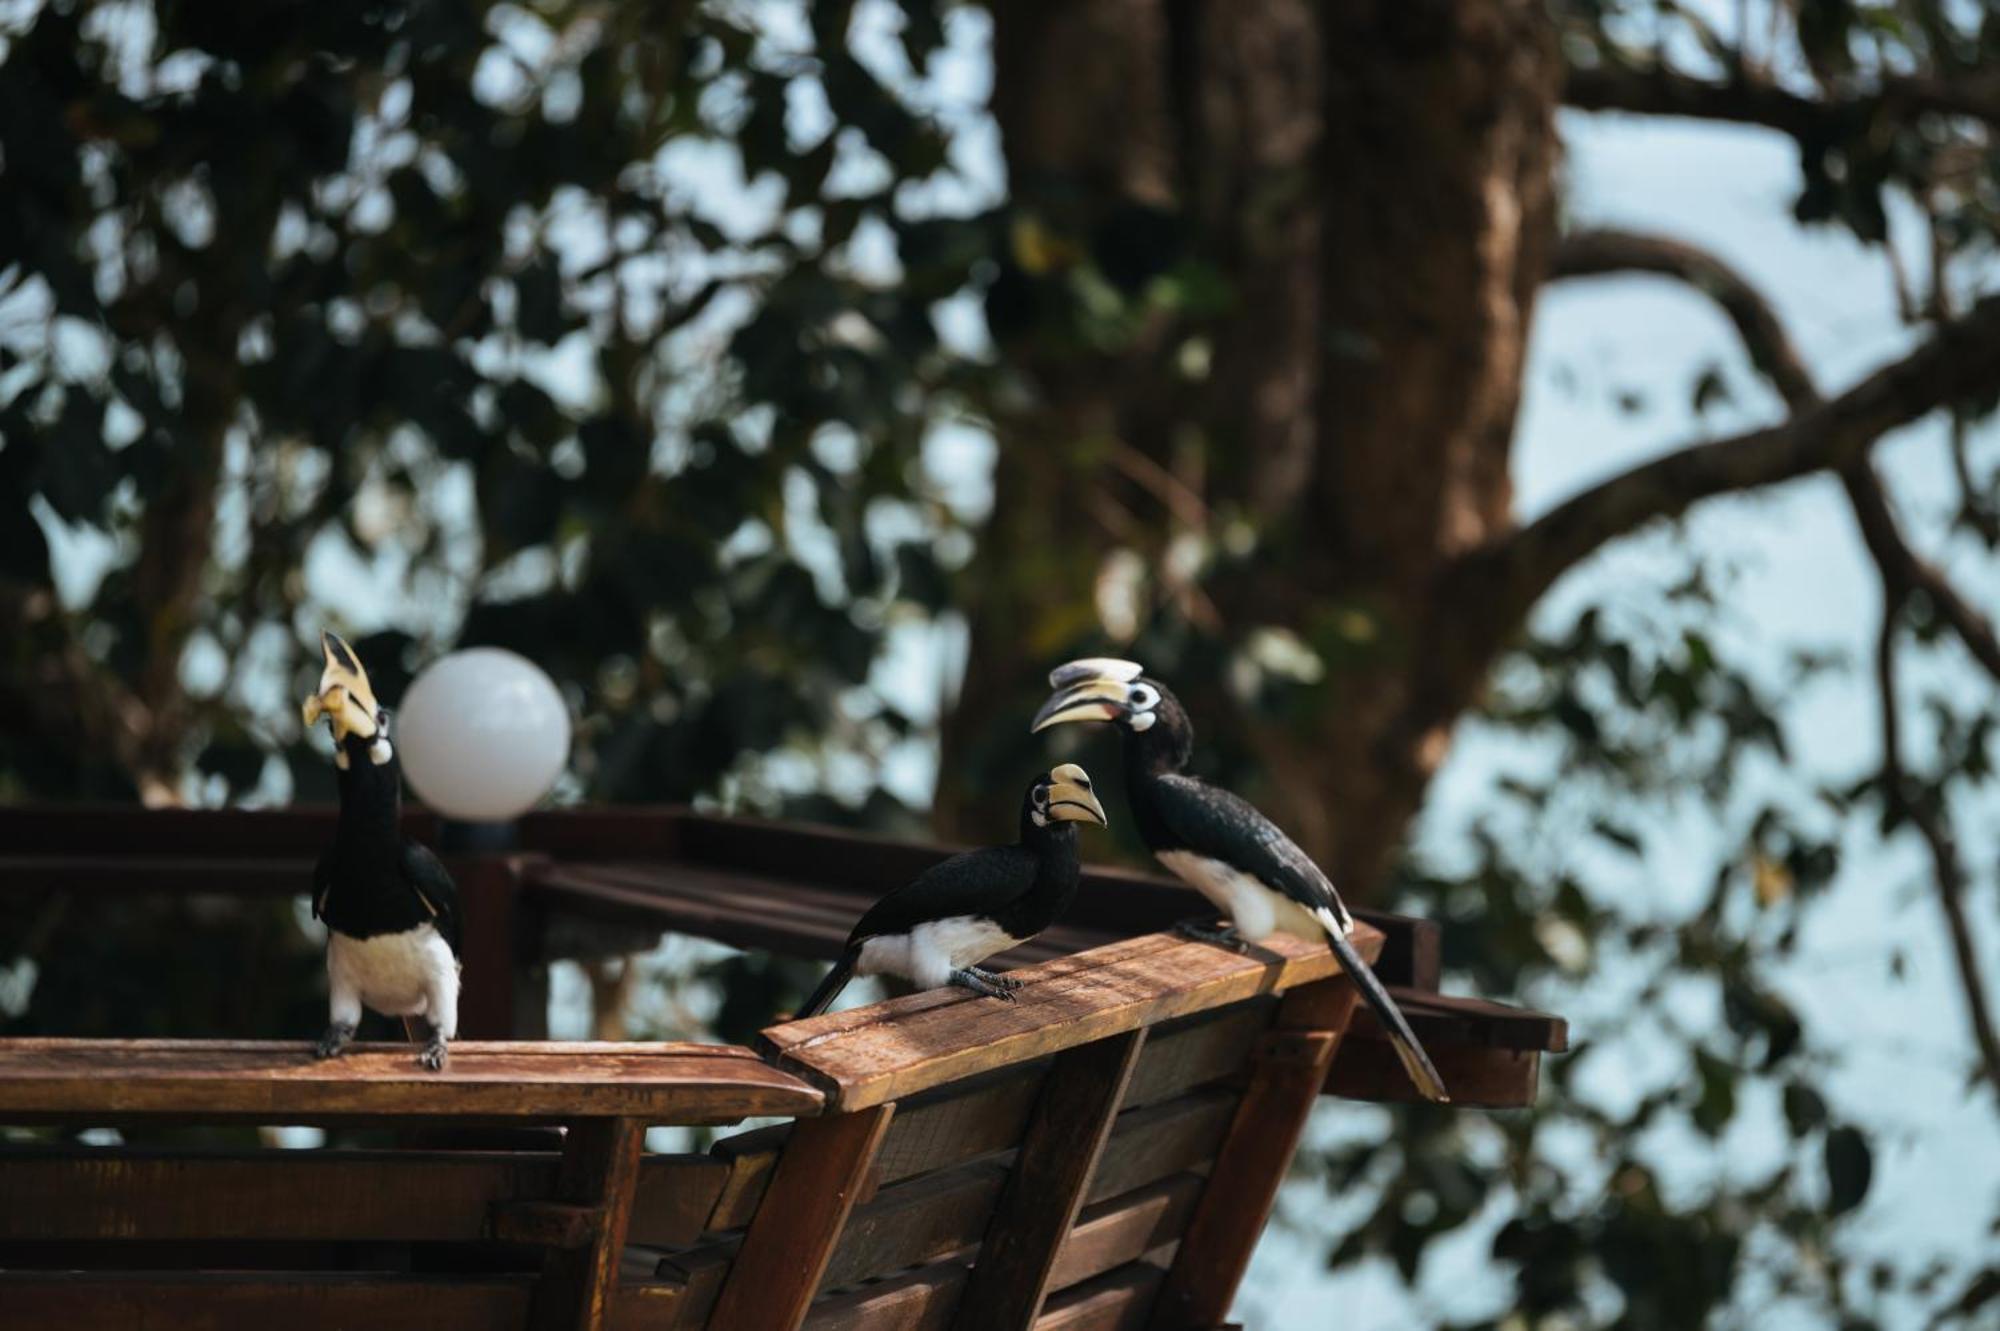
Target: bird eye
(1143, 697)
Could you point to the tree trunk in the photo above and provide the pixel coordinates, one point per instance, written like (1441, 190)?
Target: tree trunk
(1375, 182)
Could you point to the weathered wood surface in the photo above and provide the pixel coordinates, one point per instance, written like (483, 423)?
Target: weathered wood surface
(236, 1301)
(866, 1056)
(595, 1185)
(1146, 1222)
(1118, 1301)
(278, 1082)
(786, 1250)
(1058, 1156)
(98, 1193)
(1479, 1077)
(1288, 1073)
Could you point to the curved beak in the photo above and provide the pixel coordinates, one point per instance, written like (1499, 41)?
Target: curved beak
(1092, 700)
(1071, 799)
(344, 696)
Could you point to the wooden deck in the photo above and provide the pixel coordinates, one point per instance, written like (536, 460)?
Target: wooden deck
(1101, 1153)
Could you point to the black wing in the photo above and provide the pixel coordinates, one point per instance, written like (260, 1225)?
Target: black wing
(978, 882)
(1214, 822)
(427, 877)
(322, 884)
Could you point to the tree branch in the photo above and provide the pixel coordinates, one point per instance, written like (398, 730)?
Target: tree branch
(1957, 362)
(1599, 252)
(1927, 815)
(1659, 91)
(1911, 572)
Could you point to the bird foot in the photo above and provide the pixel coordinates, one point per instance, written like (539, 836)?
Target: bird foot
(1221, 935)
(334, 1043)
(1006, 982)
(434, 1054)
(982, 984)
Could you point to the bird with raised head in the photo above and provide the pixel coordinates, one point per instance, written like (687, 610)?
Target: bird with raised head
(937, 928)
(1216, 841)
(390, 908)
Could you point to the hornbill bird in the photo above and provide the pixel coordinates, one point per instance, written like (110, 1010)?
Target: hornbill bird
(1216, 841)
(938, 927)
(391, 911)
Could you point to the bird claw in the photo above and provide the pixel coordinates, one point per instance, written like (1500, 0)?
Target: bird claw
(1223, 935)
(334, 1042)
(987, 986)
(434, 1055)
(1006, 982)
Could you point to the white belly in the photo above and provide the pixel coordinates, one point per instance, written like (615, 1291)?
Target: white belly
(929, 953)
(395, 974)
(1255, 910)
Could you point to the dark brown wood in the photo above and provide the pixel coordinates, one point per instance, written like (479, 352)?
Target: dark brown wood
(1207, 1047)
(1118, 1301)
(218, 1301)
(1448, 1019)
(598, 1177)
(1148, 1144)
(1066, 1134)
(866, 1056)
(1480, 1077)
(788, 1245)
(489, 889)
(1123, 1229)
(964, 1121)
(918, 1221)
(1288, 1072)
(104, 1080)
(919, 1300)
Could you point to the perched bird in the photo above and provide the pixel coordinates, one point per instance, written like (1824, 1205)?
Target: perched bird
(391, 911)
(1217, 842)
(937, 928)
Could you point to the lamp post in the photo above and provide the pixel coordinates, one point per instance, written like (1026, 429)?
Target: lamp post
(483, 733)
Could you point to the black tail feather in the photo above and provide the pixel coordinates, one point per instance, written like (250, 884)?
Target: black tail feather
(829, 988)
(1415, 1061)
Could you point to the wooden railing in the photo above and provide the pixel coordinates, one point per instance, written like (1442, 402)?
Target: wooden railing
(1101, 1152)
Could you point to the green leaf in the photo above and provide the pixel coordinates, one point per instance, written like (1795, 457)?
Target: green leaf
(1849, 1168)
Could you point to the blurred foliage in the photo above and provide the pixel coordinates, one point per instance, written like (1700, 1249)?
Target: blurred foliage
(613, 334)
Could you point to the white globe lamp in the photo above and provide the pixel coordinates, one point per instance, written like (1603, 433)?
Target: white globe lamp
(483, 734)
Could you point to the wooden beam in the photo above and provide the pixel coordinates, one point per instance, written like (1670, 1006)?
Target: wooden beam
(594, 1189)
(1045, 1190)
(1289, 1069)
(866, 1056)
(320, 1301)
(786, 1249)
(274, 1082)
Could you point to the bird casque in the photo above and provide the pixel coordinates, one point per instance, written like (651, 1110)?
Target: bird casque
(1215, 841)
(937, 928)
(390, 909)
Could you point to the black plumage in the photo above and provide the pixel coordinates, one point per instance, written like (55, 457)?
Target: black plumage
(935, 929)
(374, 880)
(1218, 842)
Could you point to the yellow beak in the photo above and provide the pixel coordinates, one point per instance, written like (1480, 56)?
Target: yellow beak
(1092, 700)
(344, 696)
(1070, 797)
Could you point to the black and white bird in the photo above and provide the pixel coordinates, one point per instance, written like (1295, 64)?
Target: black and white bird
(1216, 841)
(937, 928)
(390, 908)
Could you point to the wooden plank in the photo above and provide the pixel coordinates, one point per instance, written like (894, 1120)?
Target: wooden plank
(964, 1121)
(919, 1300)
(787, 1247)
(1150, 1143)
(1290, 1068)
(751, 1158)
(867, 1056)
(915, 1222)
(1450, 1019)
(1111, 1233)
(102, 1080)
(102, 875)
(1119, 1300)
(1480, 1077)
(598, 1176)
(400, 1196)
(215, 1301)
(1045, 1189)
(1208, 1047)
